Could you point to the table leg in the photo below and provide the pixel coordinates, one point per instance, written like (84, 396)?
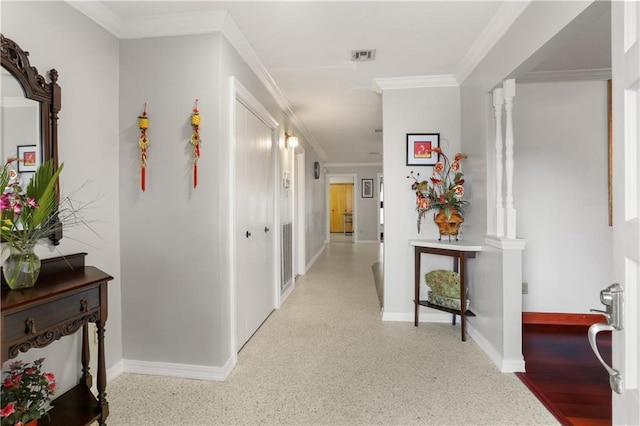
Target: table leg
(103, 405)
(463, 298)
(416, 301)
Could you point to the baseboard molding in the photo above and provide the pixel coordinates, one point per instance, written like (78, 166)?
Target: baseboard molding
(409, 317)
(313, 260)
(115, 370)
(559, 318)
(287, 292)
(504, 365)
(186, 371)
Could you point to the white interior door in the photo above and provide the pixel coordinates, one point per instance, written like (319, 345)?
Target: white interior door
(626, 130)
(255, 257)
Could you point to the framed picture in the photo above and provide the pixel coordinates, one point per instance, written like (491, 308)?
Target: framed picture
(419, 146)
(27, 158)
(367, 188)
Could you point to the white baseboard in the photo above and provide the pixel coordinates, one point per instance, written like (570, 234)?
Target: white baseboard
(312, 261)
(187, 371)
(408, 317)
(504, 365)
(287, 292)
(115, 371)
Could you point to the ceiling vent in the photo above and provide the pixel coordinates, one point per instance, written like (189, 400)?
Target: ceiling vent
(363, 55)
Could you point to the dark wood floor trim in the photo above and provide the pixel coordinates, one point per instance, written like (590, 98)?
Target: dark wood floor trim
(553, 409)
(559, 318)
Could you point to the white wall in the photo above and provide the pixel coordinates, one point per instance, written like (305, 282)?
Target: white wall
(561, 194)
(170, 233)
(86, 57)
(433, 110)
(497, 273)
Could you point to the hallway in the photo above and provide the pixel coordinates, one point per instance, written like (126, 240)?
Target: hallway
(327, 358)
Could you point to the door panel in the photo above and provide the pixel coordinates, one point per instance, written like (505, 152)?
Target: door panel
(341, 202)
(625, 50)
(255, 257)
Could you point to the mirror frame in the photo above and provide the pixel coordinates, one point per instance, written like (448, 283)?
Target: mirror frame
(16, 61)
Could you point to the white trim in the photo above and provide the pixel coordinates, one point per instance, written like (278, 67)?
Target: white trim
(18, 102)
(300, 218)
(313, 259)
(352, 165)
(504, 365)
(409, 317)
(505, 243)
(187, 371)
(237, 39)
(101, 15)
(379, 228)
(414, 82)
(287, 291)
(566, 75)
(114, 371)
(506, 15)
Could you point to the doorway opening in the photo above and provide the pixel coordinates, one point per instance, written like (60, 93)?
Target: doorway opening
(341, 209)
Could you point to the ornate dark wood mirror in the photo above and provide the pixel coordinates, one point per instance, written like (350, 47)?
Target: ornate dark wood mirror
(29, 109)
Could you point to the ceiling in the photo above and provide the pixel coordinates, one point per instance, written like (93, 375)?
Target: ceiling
(305, 47)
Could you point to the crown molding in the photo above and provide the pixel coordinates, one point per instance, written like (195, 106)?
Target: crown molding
(352, 165)
(415, 82)
(506, 15)
(566, 75)
(237, 39)
(99, 14)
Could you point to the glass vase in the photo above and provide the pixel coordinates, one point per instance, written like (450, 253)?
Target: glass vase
(21, 268)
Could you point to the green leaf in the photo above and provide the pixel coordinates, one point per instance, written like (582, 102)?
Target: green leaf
(42, 187)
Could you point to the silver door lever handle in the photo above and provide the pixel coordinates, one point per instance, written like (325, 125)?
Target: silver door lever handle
(615, 379)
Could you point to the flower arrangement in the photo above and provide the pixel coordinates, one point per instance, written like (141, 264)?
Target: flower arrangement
(27, 216)
(444, 189)
(26, 392)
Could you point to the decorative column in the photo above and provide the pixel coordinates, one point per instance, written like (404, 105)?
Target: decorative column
(509, 89)
(498, 102)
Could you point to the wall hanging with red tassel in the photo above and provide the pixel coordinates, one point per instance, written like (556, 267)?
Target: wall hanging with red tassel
(143, 144)
(195, 141)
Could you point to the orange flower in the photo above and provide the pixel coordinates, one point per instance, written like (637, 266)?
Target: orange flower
(439, 167)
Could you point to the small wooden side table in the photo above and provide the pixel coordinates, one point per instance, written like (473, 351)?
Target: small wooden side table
(460, 251)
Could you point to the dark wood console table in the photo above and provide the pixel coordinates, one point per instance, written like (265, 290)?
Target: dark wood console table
(67, 297)
(460, 251)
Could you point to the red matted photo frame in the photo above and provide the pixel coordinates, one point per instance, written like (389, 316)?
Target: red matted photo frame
(27, 158)
(419, 147)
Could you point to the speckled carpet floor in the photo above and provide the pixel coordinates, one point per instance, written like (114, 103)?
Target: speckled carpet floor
(326, 358)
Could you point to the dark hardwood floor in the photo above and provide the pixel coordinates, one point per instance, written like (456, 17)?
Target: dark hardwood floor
(563, 372)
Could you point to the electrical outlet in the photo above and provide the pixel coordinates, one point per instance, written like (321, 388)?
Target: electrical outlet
(525, 288)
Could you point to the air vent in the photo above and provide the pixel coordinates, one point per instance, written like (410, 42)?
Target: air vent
(363, 55)
(377, 131)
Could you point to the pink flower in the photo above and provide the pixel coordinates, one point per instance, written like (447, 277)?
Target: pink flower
(459, 156)
(5, 203)
(459, 191)
(17, 209)
(8, 410)
(32, 202)
(49, 376)
(30, 371)
(439, 167)
(455, 166)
